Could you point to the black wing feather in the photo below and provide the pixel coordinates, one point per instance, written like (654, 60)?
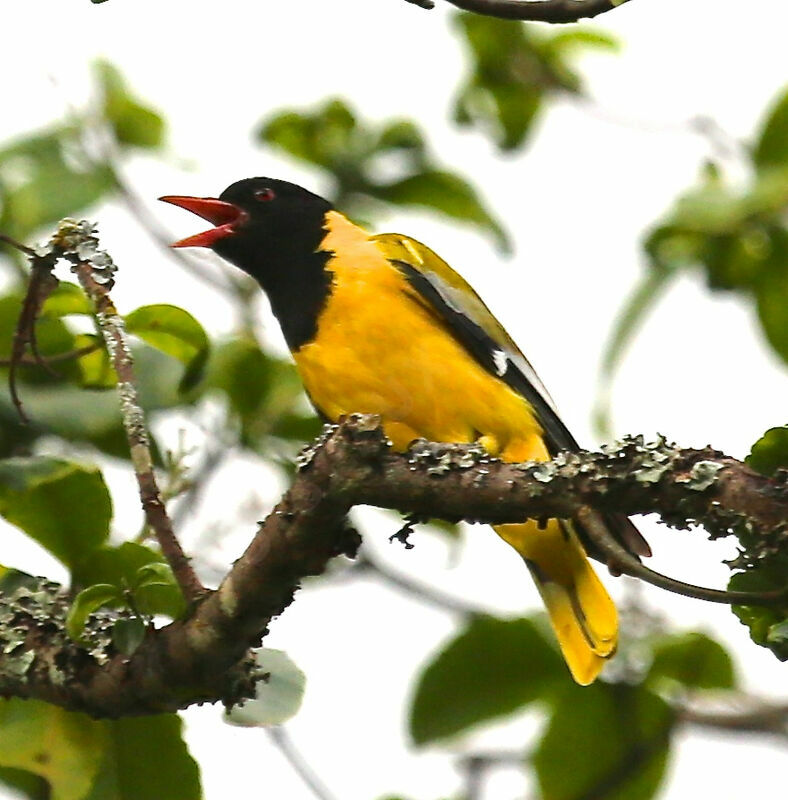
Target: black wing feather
(490, 355)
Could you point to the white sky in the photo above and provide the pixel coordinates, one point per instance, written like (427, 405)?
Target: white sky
(576, 203)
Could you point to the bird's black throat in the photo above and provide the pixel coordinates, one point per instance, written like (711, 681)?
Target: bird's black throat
(286, 262)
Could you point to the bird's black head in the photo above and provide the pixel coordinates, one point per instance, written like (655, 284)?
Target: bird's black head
(255, 215)
(272, 230)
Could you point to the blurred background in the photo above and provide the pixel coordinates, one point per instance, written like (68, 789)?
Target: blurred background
(616, 191)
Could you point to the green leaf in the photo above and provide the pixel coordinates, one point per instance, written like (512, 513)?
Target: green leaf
(128, 634)
(52, 337)
(67, 298)
(447, 193)
(334, 139)
(157, 592)
(64, 506)
(517, 109)
(778, 634)
(401, 135)
(132, 566)
(30, 167)
(606, 741)
(277, 696)
(156, 573)
(146, 758)
(264, 392)
(771, 294)
(593, 38)
(770, 452)
(765, 624)
(26, 784)
(12, 579)
(493, 668)
(88, 601)
(95, 368)
(241, 370)
(693, 660)
(118, 565)
(296, 427)
(771, 149)
(176, 333)
(514, 70)
(62, 747)
(327, 137)
(133, 123)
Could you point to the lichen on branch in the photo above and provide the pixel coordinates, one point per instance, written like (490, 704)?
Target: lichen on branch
(202, 656)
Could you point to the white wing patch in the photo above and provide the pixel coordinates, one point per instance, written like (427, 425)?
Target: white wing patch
(501, 361)
(456, 300)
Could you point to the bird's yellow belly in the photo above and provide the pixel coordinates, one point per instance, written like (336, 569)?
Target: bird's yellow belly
(397, 361)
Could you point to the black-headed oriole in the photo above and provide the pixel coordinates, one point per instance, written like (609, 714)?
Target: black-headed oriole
(381, 325)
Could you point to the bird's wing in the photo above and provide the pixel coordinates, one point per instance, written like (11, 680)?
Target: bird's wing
(468, 319)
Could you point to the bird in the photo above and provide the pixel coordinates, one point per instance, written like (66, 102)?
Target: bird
(380, 324)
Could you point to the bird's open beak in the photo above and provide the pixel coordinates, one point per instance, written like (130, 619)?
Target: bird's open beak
(225, 216)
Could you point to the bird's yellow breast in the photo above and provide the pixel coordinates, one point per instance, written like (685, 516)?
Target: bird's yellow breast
(379, 349)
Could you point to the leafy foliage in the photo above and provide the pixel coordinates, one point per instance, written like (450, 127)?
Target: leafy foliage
(32, 165)
(693, 660)
(48, 753)
(264, 394)
(58, 156)
(65, 507)
(770, 452)
(132, 122)
(490, 669)
(137, 573)
(88, 601)
(606, 740)
(176, 333)
(354, 154)
(771, 148)
(63, 748)
(136, 748)
(737, 236)
(767, 625)
(515, 70)
(765, 568)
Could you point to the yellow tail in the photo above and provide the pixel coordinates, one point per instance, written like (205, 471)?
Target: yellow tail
(581, 612)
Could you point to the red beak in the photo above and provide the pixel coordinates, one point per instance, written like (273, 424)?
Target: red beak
(225, 216)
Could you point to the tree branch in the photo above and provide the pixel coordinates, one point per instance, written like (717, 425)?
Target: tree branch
(76, 242)
(555, 11)
(201, 657)
(761, 717)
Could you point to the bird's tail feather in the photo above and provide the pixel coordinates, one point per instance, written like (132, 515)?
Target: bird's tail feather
(581, 612)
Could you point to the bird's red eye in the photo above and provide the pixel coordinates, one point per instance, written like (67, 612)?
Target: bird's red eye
(264, 195)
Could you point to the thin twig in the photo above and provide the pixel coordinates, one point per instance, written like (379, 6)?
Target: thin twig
(763, 717)
(475, 767)
(68, 355)
(41, 283)
(94, 270)
(138, 210)
(421, 591)
(28, 251)
(282, 741)
(626, 563)
(555, 11)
